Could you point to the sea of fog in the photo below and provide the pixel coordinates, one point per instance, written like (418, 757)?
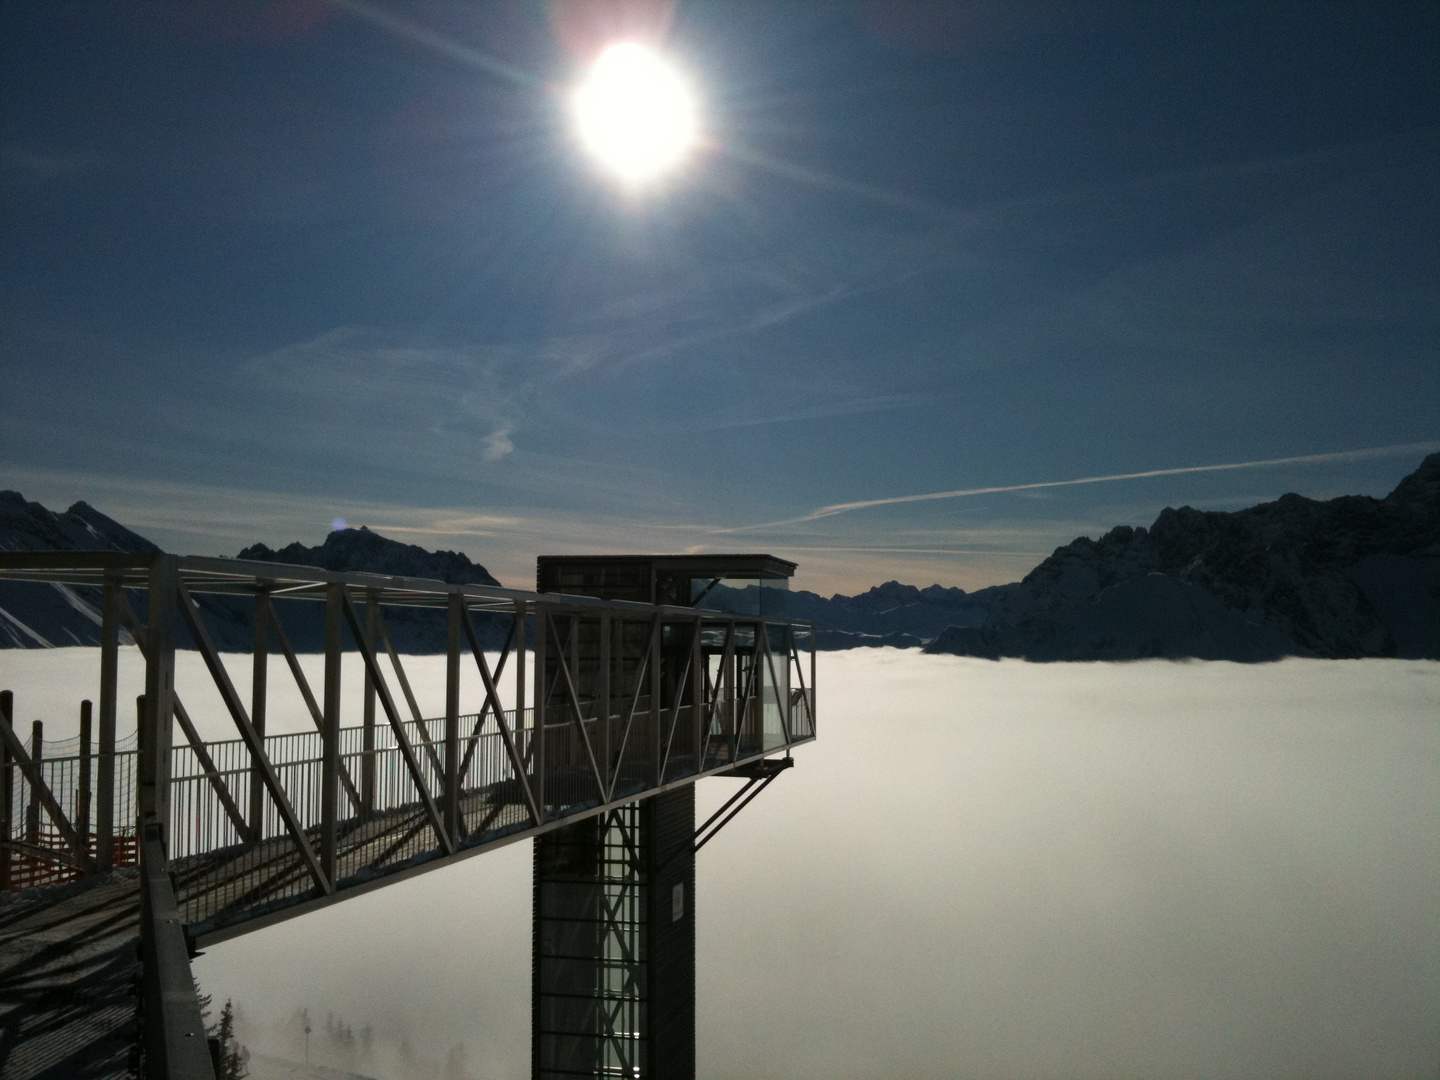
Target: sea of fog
(979, 870)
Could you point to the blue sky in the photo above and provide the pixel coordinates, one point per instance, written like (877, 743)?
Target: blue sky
(264, 266)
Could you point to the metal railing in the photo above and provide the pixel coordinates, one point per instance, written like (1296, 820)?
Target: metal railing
(200, 824)
(611, 701)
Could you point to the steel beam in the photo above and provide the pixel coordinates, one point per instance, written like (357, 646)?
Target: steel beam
(259, 693)
(303, 684)
(538, 753)
(492, 694)
(335, 598)
(7, 790)
(252, 740)
(367, 763)
(577, 717)
(407, 752)
(602, 697)
(192, 736)
(415, 713)
(156, 734)
(454, 612)
(84, 794)
(110, 603)
(174, 1042)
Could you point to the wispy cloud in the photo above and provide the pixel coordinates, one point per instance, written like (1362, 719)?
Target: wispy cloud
(879, 403)
(498, 444)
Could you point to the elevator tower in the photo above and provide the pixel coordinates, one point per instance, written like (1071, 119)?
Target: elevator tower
(613, 956)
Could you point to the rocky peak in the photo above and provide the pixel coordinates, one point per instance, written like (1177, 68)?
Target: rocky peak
(362, 550)
(892, 594)
(28, 526)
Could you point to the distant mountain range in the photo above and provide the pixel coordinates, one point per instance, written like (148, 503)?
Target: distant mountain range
(37, 616)
(1347, 577)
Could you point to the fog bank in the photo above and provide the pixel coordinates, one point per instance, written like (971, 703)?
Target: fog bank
(979, 870)
(1150, 870)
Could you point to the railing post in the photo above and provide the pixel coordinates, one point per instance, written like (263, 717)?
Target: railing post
(259, 693)
(762, 643)
(109, 676)
(537, 757)
(83, 795)
(139, 760)
(602, 694)
(697, 696)
(156, 725)
(32, 811)
(814, 646)
(367, 762)
(789, 680)
(455, 611)
(330, 732)
(727, 677)
(657, 735)
(520, 611)
(7, 789)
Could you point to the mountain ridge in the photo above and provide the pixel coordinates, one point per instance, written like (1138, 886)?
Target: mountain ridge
(1347, 577)
(363, 550)
(1341, 578)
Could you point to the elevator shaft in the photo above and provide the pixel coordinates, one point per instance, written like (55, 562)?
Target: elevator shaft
(613, 981)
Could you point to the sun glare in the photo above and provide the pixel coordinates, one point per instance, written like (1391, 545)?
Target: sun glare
(635, 113)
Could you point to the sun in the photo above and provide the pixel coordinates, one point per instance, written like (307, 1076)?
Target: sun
(635, 113)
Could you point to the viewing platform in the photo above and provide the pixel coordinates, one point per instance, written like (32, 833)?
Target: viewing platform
(610, 702)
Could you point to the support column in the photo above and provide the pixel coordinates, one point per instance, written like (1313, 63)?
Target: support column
(814, 708)
(455, 611)
(105, 766)
(602, 697)
(367, 763)
(32, 809)
(7, 788)
(157, 721)
(727, 691)
(83, 794)
(258, 694)
(657, 733)
(613, 963)
(697, 697)
(522, 750)
(330, 731)
(538, 758)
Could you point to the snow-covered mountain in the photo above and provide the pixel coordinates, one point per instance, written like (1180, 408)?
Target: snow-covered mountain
(1348, 577)
(901, 616)
(360, 550)
(369, 552)
(34, 615)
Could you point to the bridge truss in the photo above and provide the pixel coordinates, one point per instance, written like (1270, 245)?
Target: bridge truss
(611, 702)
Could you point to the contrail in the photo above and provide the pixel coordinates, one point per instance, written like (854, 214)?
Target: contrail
(1303, 459)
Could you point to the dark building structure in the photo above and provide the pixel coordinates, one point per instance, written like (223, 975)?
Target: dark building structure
(613, 970)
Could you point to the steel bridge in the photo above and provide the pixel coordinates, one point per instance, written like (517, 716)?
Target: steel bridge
(615, 708)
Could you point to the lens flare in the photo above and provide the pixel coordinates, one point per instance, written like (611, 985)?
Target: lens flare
(635, 113)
